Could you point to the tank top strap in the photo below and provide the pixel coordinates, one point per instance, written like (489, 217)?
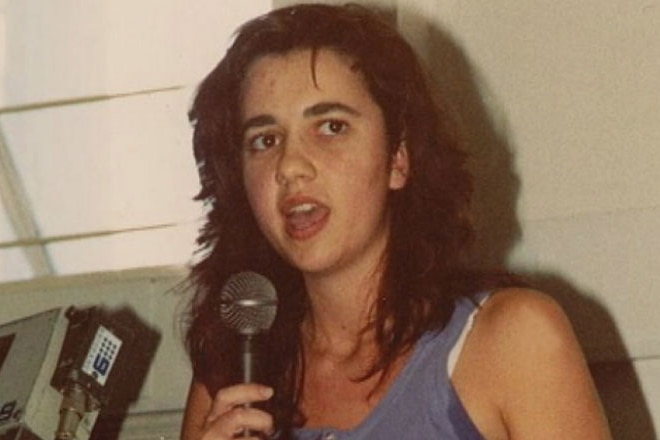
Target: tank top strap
(470, 307)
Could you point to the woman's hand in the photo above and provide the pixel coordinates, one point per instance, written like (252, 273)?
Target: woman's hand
(230, 414)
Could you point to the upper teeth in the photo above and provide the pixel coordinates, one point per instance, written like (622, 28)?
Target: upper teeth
(302, 208)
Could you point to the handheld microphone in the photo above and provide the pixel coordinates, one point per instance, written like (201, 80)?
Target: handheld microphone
(248, 305)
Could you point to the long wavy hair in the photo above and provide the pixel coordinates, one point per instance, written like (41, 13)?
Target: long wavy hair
(423, 269)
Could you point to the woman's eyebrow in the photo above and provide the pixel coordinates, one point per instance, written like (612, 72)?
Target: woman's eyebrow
(327, 107)
(319, 109)
(257, 121)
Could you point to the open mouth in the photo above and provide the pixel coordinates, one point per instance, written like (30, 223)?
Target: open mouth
(305, 219)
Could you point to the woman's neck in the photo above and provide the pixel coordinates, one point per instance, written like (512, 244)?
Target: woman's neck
(341, 309)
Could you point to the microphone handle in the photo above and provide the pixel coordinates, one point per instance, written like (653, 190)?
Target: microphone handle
(248, 358)
(248, 368)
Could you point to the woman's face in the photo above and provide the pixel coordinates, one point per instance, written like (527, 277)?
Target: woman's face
(316, 165)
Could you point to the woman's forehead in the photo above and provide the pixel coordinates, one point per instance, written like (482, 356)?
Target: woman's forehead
(312, 57)
(302, 68)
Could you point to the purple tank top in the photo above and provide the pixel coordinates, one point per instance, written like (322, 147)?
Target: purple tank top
(421, 402)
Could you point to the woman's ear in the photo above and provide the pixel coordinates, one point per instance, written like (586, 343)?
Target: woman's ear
(400, 167)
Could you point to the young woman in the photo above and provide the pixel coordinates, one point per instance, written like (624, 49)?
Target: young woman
(326, 166)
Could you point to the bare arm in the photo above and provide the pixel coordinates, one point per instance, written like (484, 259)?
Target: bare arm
(524, 356)
(198, 406)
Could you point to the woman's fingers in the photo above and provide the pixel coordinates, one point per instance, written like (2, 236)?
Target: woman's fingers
(238, 421)
(238, 395)
(232, 416)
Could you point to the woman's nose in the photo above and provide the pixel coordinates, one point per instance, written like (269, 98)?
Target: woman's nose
(295, 163)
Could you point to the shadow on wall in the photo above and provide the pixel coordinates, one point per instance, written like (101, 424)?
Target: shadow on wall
(140, 354)
(498, 230)
(491, 158)
(610, 364)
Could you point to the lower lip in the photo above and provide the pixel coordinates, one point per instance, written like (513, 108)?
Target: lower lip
(309, 231)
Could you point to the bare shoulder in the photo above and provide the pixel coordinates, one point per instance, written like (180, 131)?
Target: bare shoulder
(522, 332)
(524, 358)
(518, 334)
(517, 315)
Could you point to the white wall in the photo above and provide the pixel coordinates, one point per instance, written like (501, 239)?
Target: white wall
(3, 36)
(89, 164)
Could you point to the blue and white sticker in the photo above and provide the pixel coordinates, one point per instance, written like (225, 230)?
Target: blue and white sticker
(102, 355)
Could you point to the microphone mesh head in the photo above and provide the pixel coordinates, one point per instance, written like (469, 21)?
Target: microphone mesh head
(248, 303)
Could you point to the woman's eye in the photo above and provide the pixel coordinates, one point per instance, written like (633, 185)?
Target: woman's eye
(263, 141)
(333, 127)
